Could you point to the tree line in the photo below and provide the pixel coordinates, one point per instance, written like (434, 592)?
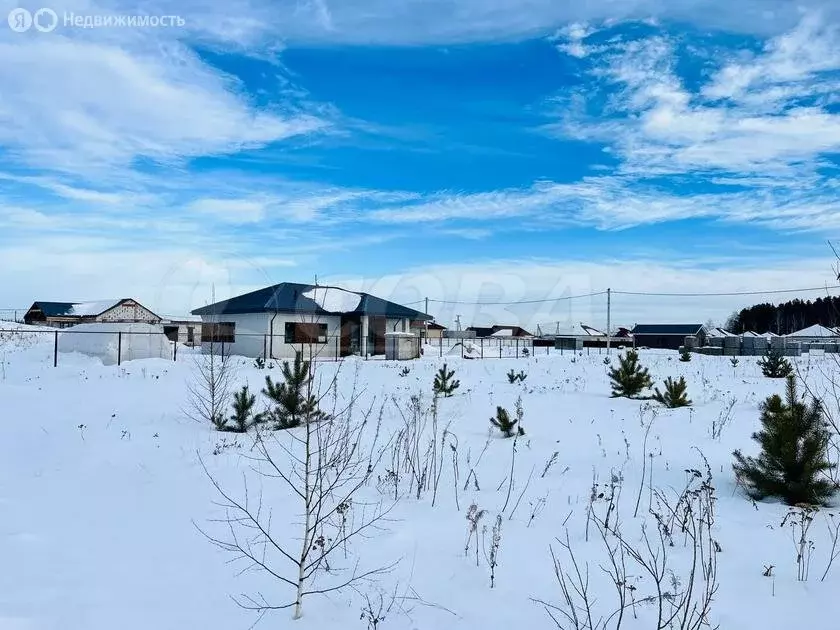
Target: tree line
(787, 317)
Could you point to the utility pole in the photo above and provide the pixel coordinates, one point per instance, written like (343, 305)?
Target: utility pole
(427, 321)
(458, 322)
(609, 332)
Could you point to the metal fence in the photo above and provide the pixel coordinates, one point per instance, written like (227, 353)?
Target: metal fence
(116, 346)
(12, 315)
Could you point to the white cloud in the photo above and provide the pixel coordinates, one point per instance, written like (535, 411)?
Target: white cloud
(235, 211)
(413, 22)
(752, 118)
(83, 105)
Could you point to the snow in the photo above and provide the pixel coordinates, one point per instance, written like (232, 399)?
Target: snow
(90, 309)
(816, 331)
(334, 300)
(504, 332)
(139, 341)
(719, 332)
(102, 490)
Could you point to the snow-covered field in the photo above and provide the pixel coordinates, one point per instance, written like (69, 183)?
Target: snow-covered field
(102, 492)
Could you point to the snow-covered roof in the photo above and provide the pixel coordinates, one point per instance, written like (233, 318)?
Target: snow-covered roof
(719, 332)
(504, 332)
(90, 309)
(749, 333)
(816, 330)
(334, 300)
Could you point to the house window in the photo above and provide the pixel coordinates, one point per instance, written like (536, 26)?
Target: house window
(221, 332)
(297, 332)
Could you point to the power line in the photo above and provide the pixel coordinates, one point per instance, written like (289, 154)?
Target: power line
(734, 293)
(618, 292)
(542, 301)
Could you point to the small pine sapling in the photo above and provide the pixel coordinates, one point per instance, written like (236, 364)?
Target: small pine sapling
(219, 422)
(405, 371)
(793, 460)
(685, 355)
(733, 362)
(514, 377)
(243, 411)
(507, 425)
(629, 379)
(259, 363)
(293, 399)
(674, 395)
(774, 365)
(445, 384)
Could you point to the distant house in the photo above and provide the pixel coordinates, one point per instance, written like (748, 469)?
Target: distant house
(185, 330)
(64, 314)
(429, 330)
(499, 331)
(281, 320)
(719, 333)
(670, 336)
(813, 333)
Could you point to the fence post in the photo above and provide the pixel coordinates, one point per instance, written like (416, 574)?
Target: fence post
(119, 347)
(482, 347)
(500, 348)
(440, 344)
(174, 350)
(338, 348)
(462, 348)
(517, 347)
(55, 350)
(265, 347)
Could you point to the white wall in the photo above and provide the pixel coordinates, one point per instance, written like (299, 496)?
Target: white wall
(262, 334)
(281, 350)
(250, 333)
(397, 325)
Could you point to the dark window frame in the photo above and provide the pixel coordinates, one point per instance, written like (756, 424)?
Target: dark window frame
(302, 333)
(218, 332)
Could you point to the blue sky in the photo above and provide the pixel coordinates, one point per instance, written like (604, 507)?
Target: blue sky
(456, 149)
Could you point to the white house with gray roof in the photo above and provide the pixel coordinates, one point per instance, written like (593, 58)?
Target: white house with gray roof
(322, 322)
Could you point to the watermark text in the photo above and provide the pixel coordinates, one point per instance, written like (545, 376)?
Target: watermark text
(45, 20)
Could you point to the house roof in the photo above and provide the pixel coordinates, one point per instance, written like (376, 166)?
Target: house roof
(719, 332)
(430, 325)
(813, 331)
(78, 309)
(53, 309)
(665, 330)
(291, 297)
(499, 331)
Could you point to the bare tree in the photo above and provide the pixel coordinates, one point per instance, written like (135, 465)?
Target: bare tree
(322, 467)
(679, 603)
(210, 391)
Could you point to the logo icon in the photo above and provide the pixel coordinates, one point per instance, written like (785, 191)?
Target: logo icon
(20, 20)
(45, 20)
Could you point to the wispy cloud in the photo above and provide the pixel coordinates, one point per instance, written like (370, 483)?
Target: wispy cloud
(767, 115)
